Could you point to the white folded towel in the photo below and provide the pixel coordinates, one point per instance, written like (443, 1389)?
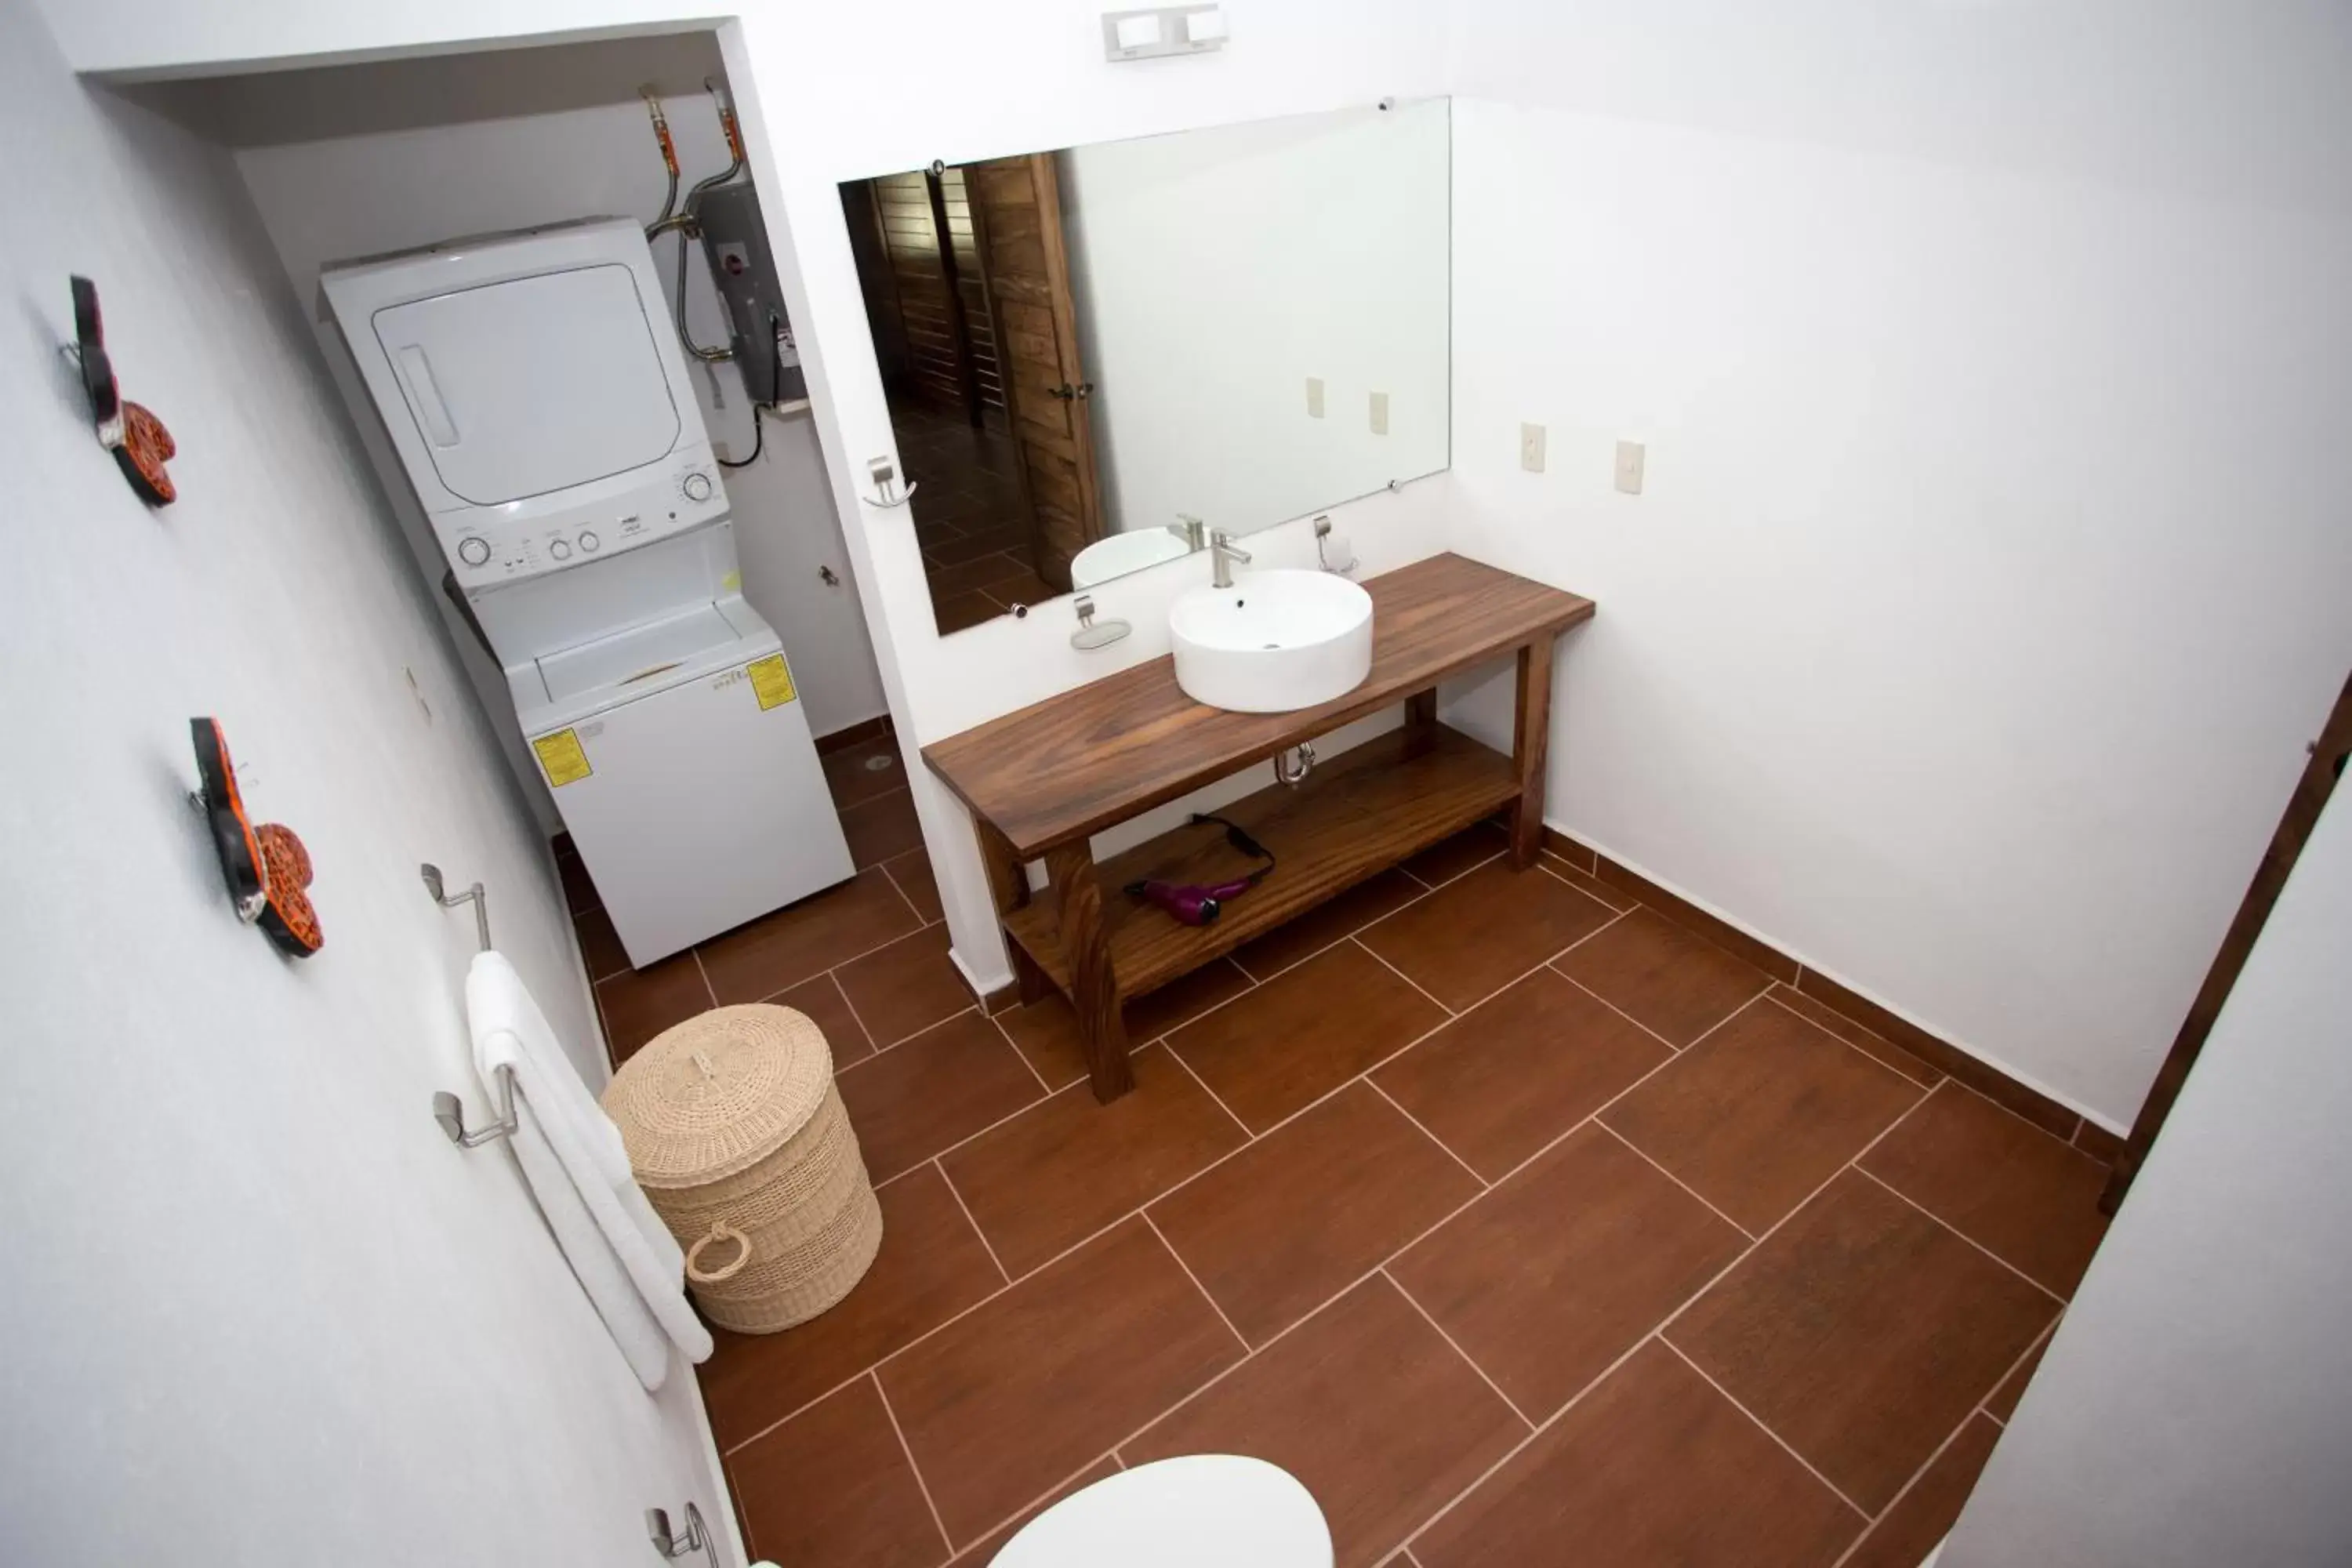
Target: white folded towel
(571, 1155)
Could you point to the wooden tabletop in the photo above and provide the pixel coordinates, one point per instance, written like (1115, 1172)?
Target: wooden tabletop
(1072, 765)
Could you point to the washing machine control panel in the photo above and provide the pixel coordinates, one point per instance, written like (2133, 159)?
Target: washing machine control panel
(488, 546)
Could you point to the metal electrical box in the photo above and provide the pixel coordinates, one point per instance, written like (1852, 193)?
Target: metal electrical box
(736, 241)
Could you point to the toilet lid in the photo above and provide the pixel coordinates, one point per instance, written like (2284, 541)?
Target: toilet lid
(1219, 1509)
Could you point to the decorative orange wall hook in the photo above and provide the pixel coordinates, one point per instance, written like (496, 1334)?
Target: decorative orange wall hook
(137, 438)
(267, 867)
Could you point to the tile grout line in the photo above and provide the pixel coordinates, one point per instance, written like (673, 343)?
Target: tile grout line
(1169, 1247)
(1176, 1057)
(1587, 893)
(2040, 1343)
(1640, 1154)
(1868, 1518)
(830, 978)
(1530, 1439)
(904, 896)
(708, 989)
(1620, 1012)
(1374, 1067)
(1912, 1483)
(1381, 1266)
(1700, 1037)
(998, 1020)
(972, 1219)
(1508, 1402)
(1658, 1332)
(1474, 865)
(1039, 1502)
(1941, 1076)
(1401, 974)
(1252, 983)
(906, 1040)
(1424, 889)
(913, 1468)
(874, 1047)
(1947, 1224)
(1798, 1207)
(838, 963)
(982, 1132)
(1484, 1184)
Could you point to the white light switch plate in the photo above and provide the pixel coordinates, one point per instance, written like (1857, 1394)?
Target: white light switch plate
(1315, 397)
(1379, 413)
(1631, 455)
(1531, 448)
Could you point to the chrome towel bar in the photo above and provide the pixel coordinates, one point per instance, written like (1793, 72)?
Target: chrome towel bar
(448, 1110)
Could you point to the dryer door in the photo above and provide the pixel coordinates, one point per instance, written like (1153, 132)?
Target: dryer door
(534, 385)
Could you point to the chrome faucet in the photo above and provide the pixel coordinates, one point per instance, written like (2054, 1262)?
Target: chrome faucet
(1223, 553)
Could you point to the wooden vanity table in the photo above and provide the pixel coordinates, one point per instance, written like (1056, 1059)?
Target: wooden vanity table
(1041, 781)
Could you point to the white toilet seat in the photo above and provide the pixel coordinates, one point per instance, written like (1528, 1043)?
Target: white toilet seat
(1219, 1509)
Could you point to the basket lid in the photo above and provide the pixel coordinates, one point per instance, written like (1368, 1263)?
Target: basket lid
(719, 1093)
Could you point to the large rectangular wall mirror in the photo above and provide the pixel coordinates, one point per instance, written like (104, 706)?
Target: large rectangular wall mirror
(1095, 356)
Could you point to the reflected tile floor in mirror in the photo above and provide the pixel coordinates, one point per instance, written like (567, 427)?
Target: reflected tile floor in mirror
(970, 517)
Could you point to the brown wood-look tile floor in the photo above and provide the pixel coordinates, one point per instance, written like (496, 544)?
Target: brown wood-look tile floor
(1515, 1248)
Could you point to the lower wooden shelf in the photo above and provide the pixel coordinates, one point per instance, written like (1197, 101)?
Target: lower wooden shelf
(1355, 815)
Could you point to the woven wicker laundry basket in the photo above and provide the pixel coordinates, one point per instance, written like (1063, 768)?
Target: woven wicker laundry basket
(740, 1139)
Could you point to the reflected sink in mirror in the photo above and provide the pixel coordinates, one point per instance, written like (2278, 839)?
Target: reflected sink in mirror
(1092, 356)
(1274, 641)
(1123, 553)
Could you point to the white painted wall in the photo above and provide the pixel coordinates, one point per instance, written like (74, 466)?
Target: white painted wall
(2196, 1406)
(1990, 575)
(331, 199)
(260, 1309)
(1217, 270)
(844, 91)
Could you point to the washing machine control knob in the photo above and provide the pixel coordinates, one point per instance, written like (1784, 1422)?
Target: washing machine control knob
(561, 550)
(474, 550)
(697, 487)
(589, 542)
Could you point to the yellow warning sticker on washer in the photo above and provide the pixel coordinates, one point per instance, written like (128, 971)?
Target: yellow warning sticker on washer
(561, 758)
(771, 680)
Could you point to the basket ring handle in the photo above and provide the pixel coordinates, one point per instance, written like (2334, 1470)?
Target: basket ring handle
(721, 1232)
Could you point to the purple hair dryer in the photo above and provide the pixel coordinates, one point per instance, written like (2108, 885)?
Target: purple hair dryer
(1190, 902)
(1197, 903)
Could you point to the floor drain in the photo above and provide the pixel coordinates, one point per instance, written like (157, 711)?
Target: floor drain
(879, 762)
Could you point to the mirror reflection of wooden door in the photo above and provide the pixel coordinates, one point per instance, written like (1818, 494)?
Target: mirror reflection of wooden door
(1016, 208)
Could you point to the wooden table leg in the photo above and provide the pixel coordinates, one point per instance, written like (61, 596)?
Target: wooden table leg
(1530, 749)
(1009, 885)
(1093, 986)
(1420, 721)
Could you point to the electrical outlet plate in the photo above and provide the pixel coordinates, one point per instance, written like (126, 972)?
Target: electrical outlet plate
(1632, 456)
(1531, 448)
(1379, 413)
(1162, 30)
(1315, 397)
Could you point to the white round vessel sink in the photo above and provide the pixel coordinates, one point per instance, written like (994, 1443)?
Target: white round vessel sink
(1274, 641)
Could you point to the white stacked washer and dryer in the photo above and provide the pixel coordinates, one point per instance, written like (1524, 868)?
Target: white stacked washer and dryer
(539, 403)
